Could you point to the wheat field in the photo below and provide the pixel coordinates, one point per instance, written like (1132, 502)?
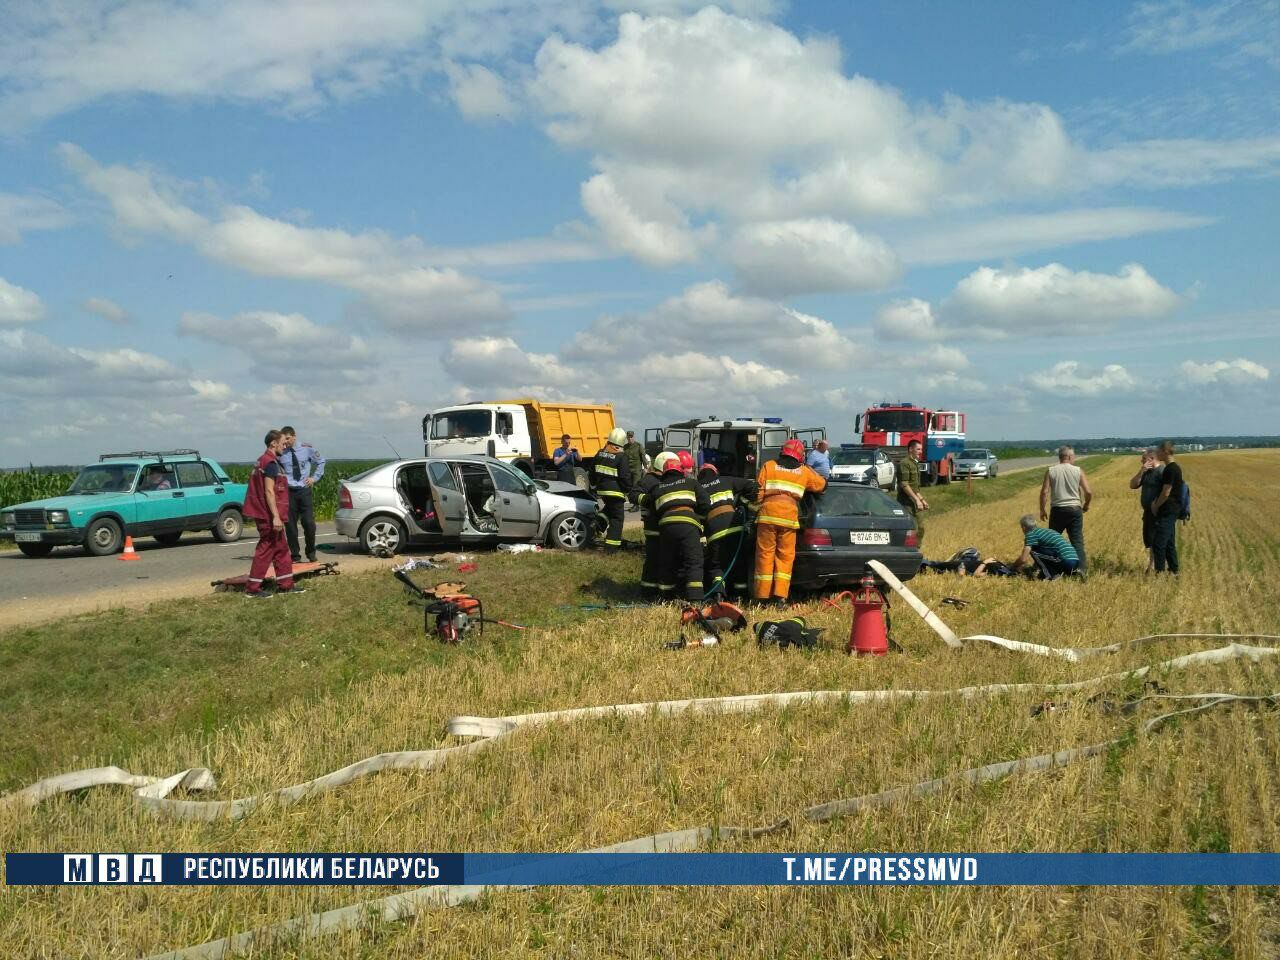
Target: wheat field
(1202, 784)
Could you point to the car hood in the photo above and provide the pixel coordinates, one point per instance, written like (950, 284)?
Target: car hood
(73, 502)
(566, 496)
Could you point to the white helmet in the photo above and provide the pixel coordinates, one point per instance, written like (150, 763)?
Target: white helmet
(617, 436)
(665, 461)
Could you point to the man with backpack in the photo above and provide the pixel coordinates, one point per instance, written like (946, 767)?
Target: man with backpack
(1147, 479)
(1167, 508)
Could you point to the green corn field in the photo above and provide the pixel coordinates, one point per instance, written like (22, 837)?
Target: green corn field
(23, 486)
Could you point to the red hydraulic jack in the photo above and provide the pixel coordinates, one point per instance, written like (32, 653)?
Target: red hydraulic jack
(868, 635)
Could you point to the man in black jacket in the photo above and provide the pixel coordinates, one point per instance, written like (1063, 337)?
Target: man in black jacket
(680, 503)
(611, 480)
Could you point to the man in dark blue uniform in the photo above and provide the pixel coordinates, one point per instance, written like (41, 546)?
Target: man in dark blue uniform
(303, 467)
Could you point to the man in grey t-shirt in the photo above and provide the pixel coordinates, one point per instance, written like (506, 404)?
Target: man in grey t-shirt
(1065, 496)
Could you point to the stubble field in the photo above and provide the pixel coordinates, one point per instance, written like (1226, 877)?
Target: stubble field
(1204, 783)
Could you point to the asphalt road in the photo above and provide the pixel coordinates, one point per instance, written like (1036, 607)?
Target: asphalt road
(31, 589)
(70, 581)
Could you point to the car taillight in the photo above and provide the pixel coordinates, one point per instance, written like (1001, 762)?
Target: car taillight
(815, 538)
(913, 539)
(344, 497)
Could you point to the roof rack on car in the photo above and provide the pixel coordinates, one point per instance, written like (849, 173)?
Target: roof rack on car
(158, 454)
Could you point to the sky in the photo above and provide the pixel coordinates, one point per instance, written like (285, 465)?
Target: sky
(218, 216)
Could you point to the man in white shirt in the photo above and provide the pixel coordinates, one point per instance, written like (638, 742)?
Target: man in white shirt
(1065, 496)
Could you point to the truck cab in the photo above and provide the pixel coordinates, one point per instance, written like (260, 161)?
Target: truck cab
(737, 448)
(498, 430)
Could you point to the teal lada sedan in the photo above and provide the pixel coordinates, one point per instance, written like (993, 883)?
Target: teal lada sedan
(160, 494)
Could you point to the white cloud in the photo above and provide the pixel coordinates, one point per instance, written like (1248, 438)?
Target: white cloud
(275, 339)
(706, 315)
(1177, 26)
(107, 309)
(18, 305)
(1230, 372)
(781, 258)
(23, 213)
(499, 361)
(911, 319)
(1016, 234)
(714, 119)
(397, 284)
(479, 93)
(651, 229)
(38, 366)
(1067, 379)
(1052, 300)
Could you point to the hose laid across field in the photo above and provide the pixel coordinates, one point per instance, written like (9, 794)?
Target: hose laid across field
(400, 906)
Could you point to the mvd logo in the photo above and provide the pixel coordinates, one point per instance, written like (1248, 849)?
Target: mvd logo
(112, 868)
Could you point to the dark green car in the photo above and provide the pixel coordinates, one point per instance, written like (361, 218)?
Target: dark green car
(159, 494)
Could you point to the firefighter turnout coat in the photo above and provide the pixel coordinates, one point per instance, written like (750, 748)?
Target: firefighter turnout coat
(783, 483)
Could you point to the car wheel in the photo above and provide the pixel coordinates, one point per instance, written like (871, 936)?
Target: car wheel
(580, 479)
(568, 532)
(229, 526)
(36, 549)
(382, 535)
(103, 538)
(168, 539)
(992, 473)
(874, 482)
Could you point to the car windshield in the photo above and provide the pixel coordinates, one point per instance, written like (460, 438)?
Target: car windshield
(895, 421)
(461, 423)
(859, 458)
(974, 455)
(851, 500)
(105, 478)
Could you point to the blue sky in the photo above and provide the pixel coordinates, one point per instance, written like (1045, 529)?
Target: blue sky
(220, 216)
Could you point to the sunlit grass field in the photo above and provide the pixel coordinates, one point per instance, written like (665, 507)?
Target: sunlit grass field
(351, 674)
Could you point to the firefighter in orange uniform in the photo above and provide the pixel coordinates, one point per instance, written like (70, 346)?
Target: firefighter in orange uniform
(783, 482)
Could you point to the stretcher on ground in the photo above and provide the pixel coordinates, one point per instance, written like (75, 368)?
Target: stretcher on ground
(300, 571)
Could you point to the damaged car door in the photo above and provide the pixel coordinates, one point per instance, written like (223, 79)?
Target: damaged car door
(515, 504)
(446, 495)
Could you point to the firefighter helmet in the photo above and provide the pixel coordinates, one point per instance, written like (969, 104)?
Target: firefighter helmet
(686, 460)
(708, 468)
(793, 448)
(617, 436)
(666, 461)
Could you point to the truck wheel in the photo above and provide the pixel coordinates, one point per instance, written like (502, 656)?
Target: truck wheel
(103, 538)
(580, 479)
(36, 549)
(229, 526)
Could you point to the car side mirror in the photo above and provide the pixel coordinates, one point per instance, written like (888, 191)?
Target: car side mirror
(531, 488)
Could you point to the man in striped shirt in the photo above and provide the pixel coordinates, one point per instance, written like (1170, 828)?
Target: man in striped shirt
(1045, 552)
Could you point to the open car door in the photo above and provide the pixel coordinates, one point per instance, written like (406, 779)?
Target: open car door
(679, 438)
(810, 435)
(447, 497)
(654, 438)
(515, 504)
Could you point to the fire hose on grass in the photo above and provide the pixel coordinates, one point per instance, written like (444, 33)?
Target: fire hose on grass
(153, 793)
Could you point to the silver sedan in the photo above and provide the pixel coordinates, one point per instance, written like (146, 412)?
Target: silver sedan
(461, 500)
(977, 463)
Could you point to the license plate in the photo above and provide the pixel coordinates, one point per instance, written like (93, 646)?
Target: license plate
(27, 537)
(869, 536)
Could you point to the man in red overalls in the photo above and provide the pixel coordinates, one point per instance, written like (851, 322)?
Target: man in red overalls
(267, 503)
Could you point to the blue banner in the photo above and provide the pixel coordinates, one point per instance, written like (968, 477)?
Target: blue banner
(660, 869)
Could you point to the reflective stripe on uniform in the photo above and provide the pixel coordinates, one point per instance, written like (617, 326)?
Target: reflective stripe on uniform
(613, 543)
(680, 518)
(779, 522)
(722, 496)
(779, 575)
(611, 493)
(720, 534)
(786, 486)
(651, 533)
(607, 471)
(676, 496)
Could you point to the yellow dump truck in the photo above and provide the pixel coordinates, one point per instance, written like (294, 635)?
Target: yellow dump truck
(523, 432)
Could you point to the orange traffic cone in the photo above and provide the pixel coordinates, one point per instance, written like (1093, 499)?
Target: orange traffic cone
(129, 552)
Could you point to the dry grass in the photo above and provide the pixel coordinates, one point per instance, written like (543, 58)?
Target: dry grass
(1206, 784)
